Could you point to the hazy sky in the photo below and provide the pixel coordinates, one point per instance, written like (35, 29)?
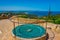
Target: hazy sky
(36, 5)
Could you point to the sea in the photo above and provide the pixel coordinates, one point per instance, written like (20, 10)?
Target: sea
(38, 13)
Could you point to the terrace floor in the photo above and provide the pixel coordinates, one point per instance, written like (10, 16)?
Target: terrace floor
(6, 27)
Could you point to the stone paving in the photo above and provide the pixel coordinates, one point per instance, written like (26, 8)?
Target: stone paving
(6, 27)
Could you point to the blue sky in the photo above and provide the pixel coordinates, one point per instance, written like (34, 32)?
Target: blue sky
(35, 5)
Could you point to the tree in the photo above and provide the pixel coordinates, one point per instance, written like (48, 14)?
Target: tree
(53, 18)
(57, 21)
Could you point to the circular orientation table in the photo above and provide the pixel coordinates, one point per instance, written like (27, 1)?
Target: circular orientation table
(29, 31)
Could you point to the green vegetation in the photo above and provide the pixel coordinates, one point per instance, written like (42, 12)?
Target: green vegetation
(31, 16)
(50, 18)
(57, 21)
